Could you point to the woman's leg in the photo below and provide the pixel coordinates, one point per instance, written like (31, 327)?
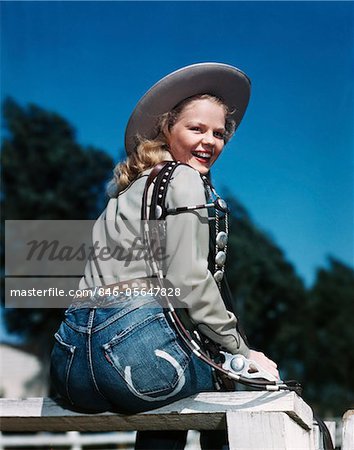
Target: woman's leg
(161, 440)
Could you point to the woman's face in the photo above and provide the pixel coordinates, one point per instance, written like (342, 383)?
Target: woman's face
(197, 137)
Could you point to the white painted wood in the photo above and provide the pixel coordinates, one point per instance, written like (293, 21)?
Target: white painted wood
(348, 430)
(331, 425)
(71, 438)
(193, 440)
(274, 420)
(266, 430)
(74, 437)
(202, 411)
(125, 440)
(317, 436)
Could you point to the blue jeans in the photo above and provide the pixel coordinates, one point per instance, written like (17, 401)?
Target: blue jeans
(123, 355)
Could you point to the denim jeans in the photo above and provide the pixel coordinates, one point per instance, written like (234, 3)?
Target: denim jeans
(122, 354)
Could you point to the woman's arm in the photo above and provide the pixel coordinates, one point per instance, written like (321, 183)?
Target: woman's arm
(187, 263)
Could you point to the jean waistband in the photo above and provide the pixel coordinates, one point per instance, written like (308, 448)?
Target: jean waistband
(116, 289)
(108, 310)
(109, 295)
(111, 301)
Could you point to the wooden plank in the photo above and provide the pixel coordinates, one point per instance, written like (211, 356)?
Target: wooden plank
(64, 440)
(348, 430)
(331, 425)
(266, 430)
(202, 411)
(317, 435)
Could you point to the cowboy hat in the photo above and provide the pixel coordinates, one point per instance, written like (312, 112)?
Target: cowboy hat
(220, 80)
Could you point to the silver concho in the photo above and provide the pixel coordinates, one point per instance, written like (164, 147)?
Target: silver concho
(158, 211)
(220, 258)
(218, 275)
(221, 239)
(221, 204)
(237, 363)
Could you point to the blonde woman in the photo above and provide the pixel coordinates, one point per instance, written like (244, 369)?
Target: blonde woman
(117, 349)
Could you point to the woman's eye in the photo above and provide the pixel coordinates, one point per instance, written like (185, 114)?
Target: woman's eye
(219, 135)
(195, 128)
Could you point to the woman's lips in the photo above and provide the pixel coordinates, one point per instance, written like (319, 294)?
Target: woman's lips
(202, 156)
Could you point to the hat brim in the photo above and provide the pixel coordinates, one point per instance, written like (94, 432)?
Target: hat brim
(221, 80)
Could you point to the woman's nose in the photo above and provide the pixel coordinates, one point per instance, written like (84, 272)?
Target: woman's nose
(208, 138)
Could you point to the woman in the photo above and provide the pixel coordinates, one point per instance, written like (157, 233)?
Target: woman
(117, 348)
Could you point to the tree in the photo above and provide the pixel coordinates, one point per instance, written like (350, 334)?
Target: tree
(329, 357)
(307, 332)
(46, 174)
(268, 295)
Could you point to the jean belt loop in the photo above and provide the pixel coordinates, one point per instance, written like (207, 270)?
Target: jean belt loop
(90, 320)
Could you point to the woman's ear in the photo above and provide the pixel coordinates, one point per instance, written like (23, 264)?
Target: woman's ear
(167, 134)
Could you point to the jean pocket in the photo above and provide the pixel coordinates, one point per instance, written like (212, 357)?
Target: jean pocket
(149, 358)
(61, 362)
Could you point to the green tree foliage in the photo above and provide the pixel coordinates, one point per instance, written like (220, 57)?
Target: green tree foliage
(46, 174)
(268, 295)
(308, 332)
(329, 334)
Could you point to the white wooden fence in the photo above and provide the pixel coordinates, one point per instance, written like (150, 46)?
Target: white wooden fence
(75, 440)
(254, 420)
(348, 430)
(72, 439)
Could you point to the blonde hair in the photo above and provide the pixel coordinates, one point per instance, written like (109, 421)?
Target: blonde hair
(150, 152)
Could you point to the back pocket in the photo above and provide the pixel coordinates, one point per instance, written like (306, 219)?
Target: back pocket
(149, 358)
(61, 362)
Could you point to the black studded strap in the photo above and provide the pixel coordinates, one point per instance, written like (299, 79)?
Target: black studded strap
(153, 174)
(158, 200)
(161, 174)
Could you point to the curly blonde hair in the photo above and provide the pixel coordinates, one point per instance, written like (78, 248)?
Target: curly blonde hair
(150, 152)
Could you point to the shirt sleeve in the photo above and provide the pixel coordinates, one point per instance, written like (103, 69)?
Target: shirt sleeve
(187, 247)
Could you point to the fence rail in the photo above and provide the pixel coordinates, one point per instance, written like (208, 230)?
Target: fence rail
(72, 439)
(75, 440)
(255, 420)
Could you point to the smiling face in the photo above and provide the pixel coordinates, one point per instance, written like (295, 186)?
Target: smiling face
(197, 137)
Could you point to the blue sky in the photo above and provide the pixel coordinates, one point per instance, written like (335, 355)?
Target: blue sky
(290, 163)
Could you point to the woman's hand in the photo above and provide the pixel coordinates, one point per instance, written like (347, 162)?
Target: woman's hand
(266, 363)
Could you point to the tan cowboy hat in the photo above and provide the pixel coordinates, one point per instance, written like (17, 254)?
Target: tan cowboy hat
(221, 80)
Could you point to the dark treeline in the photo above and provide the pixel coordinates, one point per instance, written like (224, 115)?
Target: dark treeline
(47, 174)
